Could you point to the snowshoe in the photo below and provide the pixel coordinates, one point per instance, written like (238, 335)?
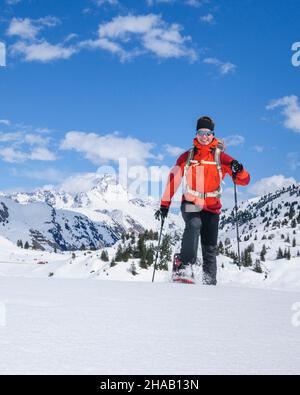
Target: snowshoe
(180, 273)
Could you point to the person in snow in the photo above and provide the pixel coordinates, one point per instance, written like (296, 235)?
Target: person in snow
(201, 170)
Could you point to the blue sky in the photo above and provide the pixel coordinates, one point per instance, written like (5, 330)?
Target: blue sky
(86, 84)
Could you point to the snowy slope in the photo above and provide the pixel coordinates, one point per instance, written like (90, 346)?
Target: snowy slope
(95, 327)
(272, 220)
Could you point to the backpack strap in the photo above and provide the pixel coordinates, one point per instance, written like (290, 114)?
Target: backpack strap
(188, 161)
(217, 161)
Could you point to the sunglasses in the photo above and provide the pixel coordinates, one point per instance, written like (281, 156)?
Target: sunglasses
(206, 133)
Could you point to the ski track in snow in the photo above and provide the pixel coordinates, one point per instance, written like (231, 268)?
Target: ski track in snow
(117, 327)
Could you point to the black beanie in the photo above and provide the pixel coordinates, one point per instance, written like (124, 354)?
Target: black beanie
(205, 123)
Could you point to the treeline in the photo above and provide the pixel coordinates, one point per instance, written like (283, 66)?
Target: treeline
(144, 248)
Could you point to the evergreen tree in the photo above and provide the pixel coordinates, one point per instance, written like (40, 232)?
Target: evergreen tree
(26, 245)
(132, 238)
(119, 254)
(150, 255)
(294, 242)
(279, 254)
(221, 248)
(263, 253)
(141, 247)
(104, 256)
(292, 212)
(287, 254)
(113, 263)
(165, 253)
(143, 263)
(257, 267)
(246, 258)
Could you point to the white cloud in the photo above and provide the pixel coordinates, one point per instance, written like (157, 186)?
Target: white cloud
(49, 174)
(12, 2)
(70, 37)
(22, 28)
(110, 2)
(109, 148)
(173, 151)
(107, 45)
(11, 155)
(129, 36)
(234, 140)
(41, 153)
(223, 67)
(31, 47)
(29, 28)
(194, 3)
(228, 197)
(258, 148)
(271, 184)
(191, 3)
(42, 52)
(293, 160)
(290, 110)
(153, 2)
(209, 18)
(9, 137)
(34, 139)
(20, 146)
(5, 122)
(24, 138)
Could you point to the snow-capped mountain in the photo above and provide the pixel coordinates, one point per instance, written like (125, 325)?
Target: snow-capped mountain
(44, 227)
(99, 215)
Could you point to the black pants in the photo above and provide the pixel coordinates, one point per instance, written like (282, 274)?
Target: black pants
(204, 224)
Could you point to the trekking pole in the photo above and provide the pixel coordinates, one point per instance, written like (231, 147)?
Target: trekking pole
(237, 221)
(158, 247)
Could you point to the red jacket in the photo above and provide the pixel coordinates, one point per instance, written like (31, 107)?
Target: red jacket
(211, 179)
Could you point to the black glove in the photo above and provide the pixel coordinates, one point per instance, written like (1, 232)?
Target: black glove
(162, 213)
(236, 167)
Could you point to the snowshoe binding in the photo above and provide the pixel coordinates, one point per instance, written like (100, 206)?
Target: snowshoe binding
(182, 273)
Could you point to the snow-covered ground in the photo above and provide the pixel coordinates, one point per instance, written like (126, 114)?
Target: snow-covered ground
(107, 327)
(17, 262)
(71, 312)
